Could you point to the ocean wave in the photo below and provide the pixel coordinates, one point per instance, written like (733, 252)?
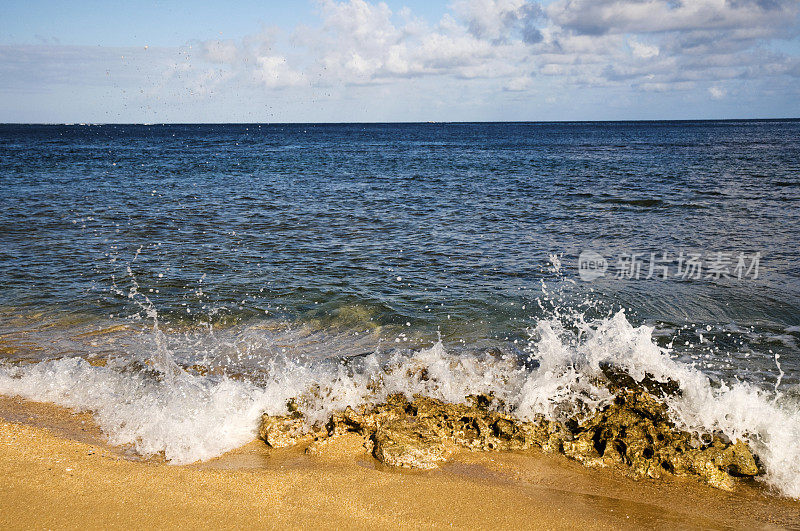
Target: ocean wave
(158, 406)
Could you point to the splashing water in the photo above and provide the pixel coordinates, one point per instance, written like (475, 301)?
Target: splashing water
(191, 417)
(262, 271)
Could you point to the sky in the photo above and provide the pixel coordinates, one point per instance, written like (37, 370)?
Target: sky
(414, 60)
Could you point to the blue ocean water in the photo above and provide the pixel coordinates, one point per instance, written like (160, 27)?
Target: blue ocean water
(304, 220)
(233, 247)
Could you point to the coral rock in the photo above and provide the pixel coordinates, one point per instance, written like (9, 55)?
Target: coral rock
(633, 432)
(283, 431)
(409, 443)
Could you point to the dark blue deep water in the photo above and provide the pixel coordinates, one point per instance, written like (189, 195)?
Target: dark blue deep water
(447, 227)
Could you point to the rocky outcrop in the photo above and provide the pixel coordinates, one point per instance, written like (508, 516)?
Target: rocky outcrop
(633, 433)
(409, 443)
(283, 431)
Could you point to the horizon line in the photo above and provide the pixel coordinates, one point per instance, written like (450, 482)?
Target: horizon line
(427, 122)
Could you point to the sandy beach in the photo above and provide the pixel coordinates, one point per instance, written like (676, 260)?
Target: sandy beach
(373, 264)
(58, 472)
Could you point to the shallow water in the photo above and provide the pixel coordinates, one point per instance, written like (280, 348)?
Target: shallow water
(179, 280)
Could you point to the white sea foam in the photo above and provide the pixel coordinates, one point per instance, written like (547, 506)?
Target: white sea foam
(189, 417)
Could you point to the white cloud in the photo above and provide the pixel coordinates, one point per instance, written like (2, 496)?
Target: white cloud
(220, 51)
(500, 20)
(494, 46)
(552, 69)
(643, 51)
(643, 44)
(362, 43)
(653, 16)
(274, 72)
(360, 21)
(717, 93)
(518, 84)
(250, 60)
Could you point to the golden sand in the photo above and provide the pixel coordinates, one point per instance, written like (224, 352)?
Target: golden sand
(57, 472)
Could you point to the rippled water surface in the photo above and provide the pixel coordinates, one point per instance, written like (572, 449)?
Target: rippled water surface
(239, 250)
(446, 226)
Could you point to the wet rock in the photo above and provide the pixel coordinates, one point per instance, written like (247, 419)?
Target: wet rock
(409, 443)
(414, 433)
(347, 421)
(739, 460)
(365, 419)
(583, 449)
(283, 431)
(618, 379)
(633, 432)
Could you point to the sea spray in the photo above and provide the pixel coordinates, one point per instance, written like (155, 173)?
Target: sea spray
(190, 417)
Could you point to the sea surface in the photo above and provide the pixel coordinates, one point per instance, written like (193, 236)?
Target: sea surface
(179, 280)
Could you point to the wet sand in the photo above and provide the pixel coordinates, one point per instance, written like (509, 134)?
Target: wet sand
(58, 472)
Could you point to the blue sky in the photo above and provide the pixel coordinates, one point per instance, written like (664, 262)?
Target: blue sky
(112, 23)
(362, 60)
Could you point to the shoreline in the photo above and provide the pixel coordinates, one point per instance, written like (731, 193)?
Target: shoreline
(59, 472)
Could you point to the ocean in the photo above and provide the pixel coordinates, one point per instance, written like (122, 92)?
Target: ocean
(179, 280)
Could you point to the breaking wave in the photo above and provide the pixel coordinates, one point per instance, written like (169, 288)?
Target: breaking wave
(158, 406)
